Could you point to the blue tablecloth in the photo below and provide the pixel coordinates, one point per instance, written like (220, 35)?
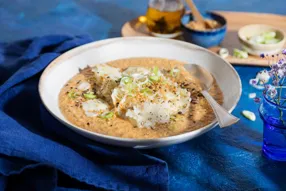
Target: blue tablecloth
(222, 159)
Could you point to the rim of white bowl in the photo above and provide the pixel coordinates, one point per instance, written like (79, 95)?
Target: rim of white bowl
(99, 43)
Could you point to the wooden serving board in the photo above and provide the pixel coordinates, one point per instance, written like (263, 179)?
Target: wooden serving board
(235, 21)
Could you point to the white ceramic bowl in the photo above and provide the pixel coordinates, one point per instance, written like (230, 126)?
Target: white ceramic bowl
(66, 66)
(258, 49)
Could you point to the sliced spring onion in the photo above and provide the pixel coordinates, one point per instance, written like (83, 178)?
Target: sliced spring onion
(252, 95)
(176, 117)
(165, 82)
(89, 95)
(249, 115)
(239, 53)
(223, 52)
(72, 94)
(271, 41)
(154, 78)
(257, 39)
(173, 117)
(146, 91)
(126, 80)
(269, 35)
(142, 80)
(130, 87)
(108, 115)
(155, 70)
(264, 38)
(174, 72)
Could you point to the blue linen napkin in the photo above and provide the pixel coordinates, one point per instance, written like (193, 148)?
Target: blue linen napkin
(39, 153)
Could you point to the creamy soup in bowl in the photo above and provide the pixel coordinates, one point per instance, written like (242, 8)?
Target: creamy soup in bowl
(91, 104)
(138, 98)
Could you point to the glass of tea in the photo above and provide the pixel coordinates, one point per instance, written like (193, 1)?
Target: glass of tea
(164, 17)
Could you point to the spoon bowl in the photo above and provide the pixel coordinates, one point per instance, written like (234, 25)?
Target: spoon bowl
(206, 81)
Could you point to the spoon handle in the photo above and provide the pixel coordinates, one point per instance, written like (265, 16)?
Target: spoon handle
(223, 117)
(195, 11)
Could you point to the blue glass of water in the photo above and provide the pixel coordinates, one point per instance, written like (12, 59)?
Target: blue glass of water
(274, 131)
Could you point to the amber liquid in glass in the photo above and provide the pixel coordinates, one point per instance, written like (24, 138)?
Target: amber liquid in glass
(164, 22)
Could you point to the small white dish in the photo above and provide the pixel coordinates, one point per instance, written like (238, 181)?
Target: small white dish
(258, 49)
(66, 66)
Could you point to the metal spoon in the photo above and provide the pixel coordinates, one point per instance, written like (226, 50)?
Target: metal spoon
(206, 80)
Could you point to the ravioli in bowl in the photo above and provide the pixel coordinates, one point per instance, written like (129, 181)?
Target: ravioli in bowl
(139, 98)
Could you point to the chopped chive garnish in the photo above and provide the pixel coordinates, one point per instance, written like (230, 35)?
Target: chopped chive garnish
(72, 94)
(173, 117)
(155, 70)
(108, 115)
(146, 91)
(154, 78)
(174, 72)
(130, 88)
(126, 80)
(89, 95)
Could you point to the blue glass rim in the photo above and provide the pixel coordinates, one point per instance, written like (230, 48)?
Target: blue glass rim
(273, 103)
(218, 18)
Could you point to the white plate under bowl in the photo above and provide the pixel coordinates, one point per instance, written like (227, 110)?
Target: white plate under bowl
(66, 66)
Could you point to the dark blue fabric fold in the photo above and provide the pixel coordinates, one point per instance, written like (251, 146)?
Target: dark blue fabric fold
(39, 153)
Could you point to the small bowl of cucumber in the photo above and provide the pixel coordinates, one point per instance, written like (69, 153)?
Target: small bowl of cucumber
(260, 39)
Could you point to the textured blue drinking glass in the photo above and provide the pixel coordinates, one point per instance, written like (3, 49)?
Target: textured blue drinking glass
(274, 131)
